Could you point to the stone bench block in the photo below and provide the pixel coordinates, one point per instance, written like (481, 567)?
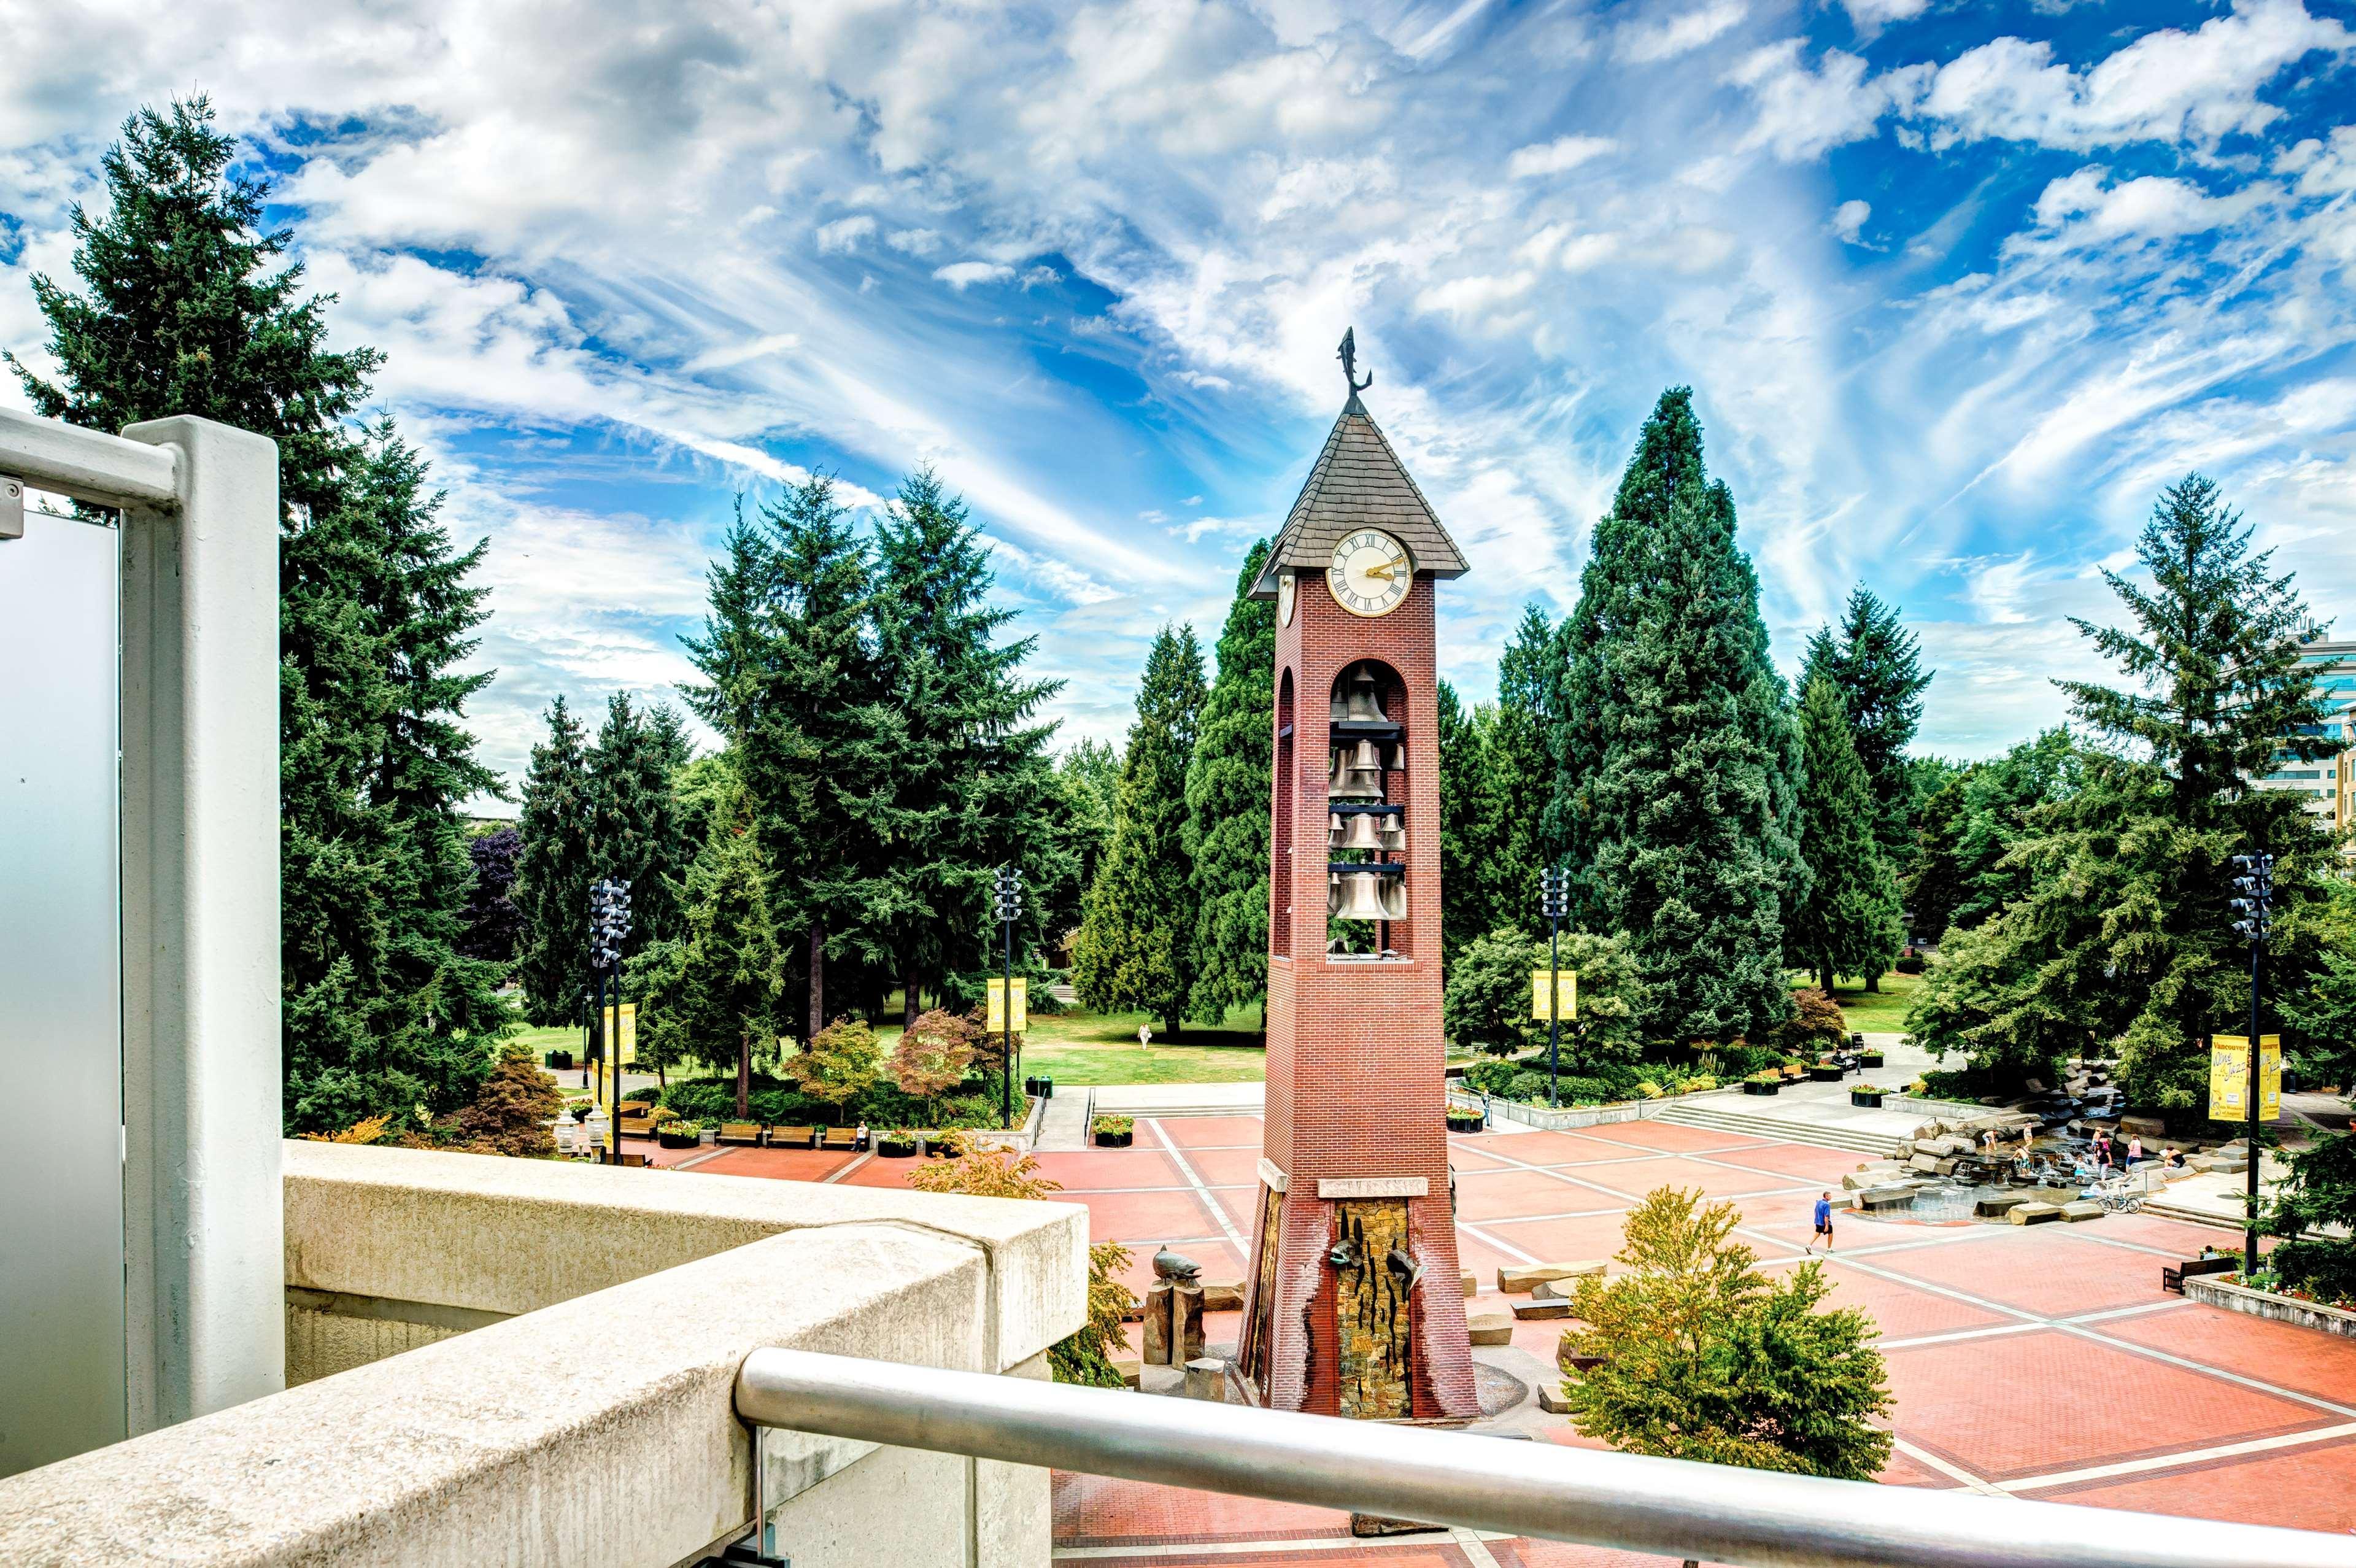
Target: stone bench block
(1472, 1283)
(1206, 1378)
(1490, 1328)
(1516, 1279)
(2033, 1213)
(1995, 1204)
(2084, 1208)
(1524, 1311)
(1550, 1397)
(1223, 1296)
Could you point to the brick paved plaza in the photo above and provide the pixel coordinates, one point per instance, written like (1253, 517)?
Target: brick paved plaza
(2042, 1363)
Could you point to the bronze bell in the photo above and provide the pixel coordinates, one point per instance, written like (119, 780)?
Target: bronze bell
(1360, 897)
(1361, 833)
(1394, 831)
(1346, 782)
(1333, 898)
(1361, 703)
(1367, 757)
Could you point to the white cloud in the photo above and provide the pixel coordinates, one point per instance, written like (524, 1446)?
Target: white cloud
(1848, 220)
(845, 233)
(963, 276)
(1667, 37)
(1869, 15)
(1554, 157)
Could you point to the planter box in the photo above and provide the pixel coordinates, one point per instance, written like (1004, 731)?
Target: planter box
(1115, 1140)
(1464, 1123)
(1859, 1096)
(1828, 1074)
(1869, 1059)
(1750, 1088)
(687, 1140)
(890, 1150)
(2218, 1290)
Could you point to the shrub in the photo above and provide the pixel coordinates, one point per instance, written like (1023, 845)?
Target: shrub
(1815, 1024)
(1647, 1090)
(1765, 1076)
(1530, 1088)
(1115, 1126)
(1912, 964)
(1699, 1082)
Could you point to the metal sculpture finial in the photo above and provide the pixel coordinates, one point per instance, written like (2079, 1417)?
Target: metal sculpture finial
(1349, 358)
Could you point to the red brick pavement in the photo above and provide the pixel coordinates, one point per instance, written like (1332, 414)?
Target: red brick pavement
(2152, 1390)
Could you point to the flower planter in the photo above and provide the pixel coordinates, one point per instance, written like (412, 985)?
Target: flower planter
(685, 1138)
(1115, 1140)
(1464, 1123)
(559, 1060)
(1869, 1059)
(895, 1148)
(1768, 1088)
(1870, 1099)
(1827, 1073)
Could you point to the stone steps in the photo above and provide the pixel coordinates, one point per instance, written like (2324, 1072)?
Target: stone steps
(1822, 1135)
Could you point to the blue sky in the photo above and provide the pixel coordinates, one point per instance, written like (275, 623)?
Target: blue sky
(1958, 287)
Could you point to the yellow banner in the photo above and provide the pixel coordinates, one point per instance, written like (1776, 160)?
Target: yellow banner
(2229, 1078)
(997, 1024)
(1542, 992)
(625, 1030)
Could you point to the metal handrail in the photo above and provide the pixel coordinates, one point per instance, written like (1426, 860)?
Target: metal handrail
(1623, 1500)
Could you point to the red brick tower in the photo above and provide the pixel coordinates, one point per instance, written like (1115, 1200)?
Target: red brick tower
(1352, 1305)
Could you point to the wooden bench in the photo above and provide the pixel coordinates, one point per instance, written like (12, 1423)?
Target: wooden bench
(637, 1127)
(641, 1160)
(791, 1137)
(2172, 1279)
(841, 1138)
(744, 1132)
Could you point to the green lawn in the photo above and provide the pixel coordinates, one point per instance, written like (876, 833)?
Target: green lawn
(1077, 1048)
(1871, 1011)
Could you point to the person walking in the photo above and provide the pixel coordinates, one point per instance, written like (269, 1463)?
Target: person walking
(2135, 1150)
(1823, 1222)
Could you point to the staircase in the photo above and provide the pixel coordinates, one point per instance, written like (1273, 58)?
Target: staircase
(1700, 1112)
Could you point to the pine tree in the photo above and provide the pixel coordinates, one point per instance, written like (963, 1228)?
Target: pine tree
(634, 828)
(1228, 793)
(2122, 931)
(1137, 928)
(1876, 664)
(1087, 786)
(183, 314)
(730, 987)
(1679, 766)
(792, 682)
(1523, 774)
(971, 787)
(1847, 924)
(1470, 847)
(553, 874)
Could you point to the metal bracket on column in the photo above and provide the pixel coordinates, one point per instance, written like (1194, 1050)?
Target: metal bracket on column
(12, 507)
(751, 1551)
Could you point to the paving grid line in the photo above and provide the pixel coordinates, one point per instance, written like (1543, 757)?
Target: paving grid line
(1202, 1189)
(2150, 1462)
(1253, 1548)
(1946, 1468)
(844, 1169)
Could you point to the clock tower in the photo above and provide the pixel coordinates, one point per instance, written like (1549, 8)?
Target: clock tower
(1352, 1306)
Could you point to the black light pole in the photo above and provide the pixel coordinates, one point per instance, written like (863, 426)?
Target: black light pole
(1010, 907)
(1555, 892)
(2255, 882)
(609, 927)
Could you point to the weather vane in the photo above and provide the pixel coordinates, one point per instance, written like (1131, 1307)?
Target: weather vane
(1349, 357)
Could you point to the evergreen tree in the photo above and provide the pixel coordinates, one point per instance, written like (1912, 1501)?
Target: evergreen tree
(1135, 948)
(791, 680)
(552, 872)
(1087, 786)
(634, 829)
(1679, 766)
(184, 314)
(2124, 931)
(1526, 824)
(1228, 792)
(1470, 818)
(971, 787)
(1935, 886)
(1847, 924)
(1876, 665)
(730, 990)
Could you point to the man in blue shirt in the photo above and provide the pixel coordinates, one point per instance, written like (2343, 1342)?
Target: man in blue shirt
(1823, 1222)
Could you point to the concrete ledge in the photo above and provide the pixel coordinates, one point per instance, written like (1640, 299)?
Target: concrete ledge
(523, 1442)
(1570, 1116)
(502, 1236)
(2216, 1290)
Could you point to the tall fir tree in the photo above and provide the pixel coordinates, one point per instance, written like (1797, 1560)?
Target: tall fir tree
(1137, 927)
(1228, 794)
(1087, 786)
(554, 872)
(1525, 827)
(1876, 664)
(634, 830)
(187, 310)
(2122, 931)
(730, 986)
(972, 787)
(1847, 924)
(1678, 788)
(1469, 818)
(791, 680)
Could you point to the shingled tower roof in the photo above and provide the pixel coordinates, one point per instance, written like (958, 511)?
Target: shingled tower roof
(1359, 481)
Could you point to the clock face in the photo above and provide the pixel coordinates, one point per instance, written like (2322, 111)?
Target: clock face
(1284, 599)
(1370, 573)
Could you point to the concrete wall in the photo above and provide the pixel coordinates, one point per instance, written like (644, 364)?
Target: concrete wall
(569, 1397)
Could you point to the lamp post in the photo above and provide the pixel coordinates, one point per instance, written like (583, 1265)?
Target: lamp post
(2254, 881)
(609, 927)
(1553, 888)
(1009, 899)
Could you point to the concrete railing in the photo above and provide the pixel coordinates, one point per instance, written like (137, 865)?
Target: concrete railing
(573, 1335)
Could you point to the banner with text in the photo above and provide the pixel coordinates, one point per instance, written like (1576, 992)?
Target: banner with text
(2229, 1078)
(1544, 992)
(998, 1024)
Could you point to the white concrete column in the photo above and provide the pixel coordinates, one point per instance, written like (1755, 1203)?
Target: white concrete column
(204, 1253)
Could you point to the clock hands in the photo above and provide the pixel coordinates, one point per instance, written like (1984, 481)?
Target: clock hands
(1387, 569)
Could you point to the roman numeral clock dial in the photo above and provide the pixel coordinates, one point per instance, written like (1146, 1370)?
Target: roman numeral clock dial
(1370, 573)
